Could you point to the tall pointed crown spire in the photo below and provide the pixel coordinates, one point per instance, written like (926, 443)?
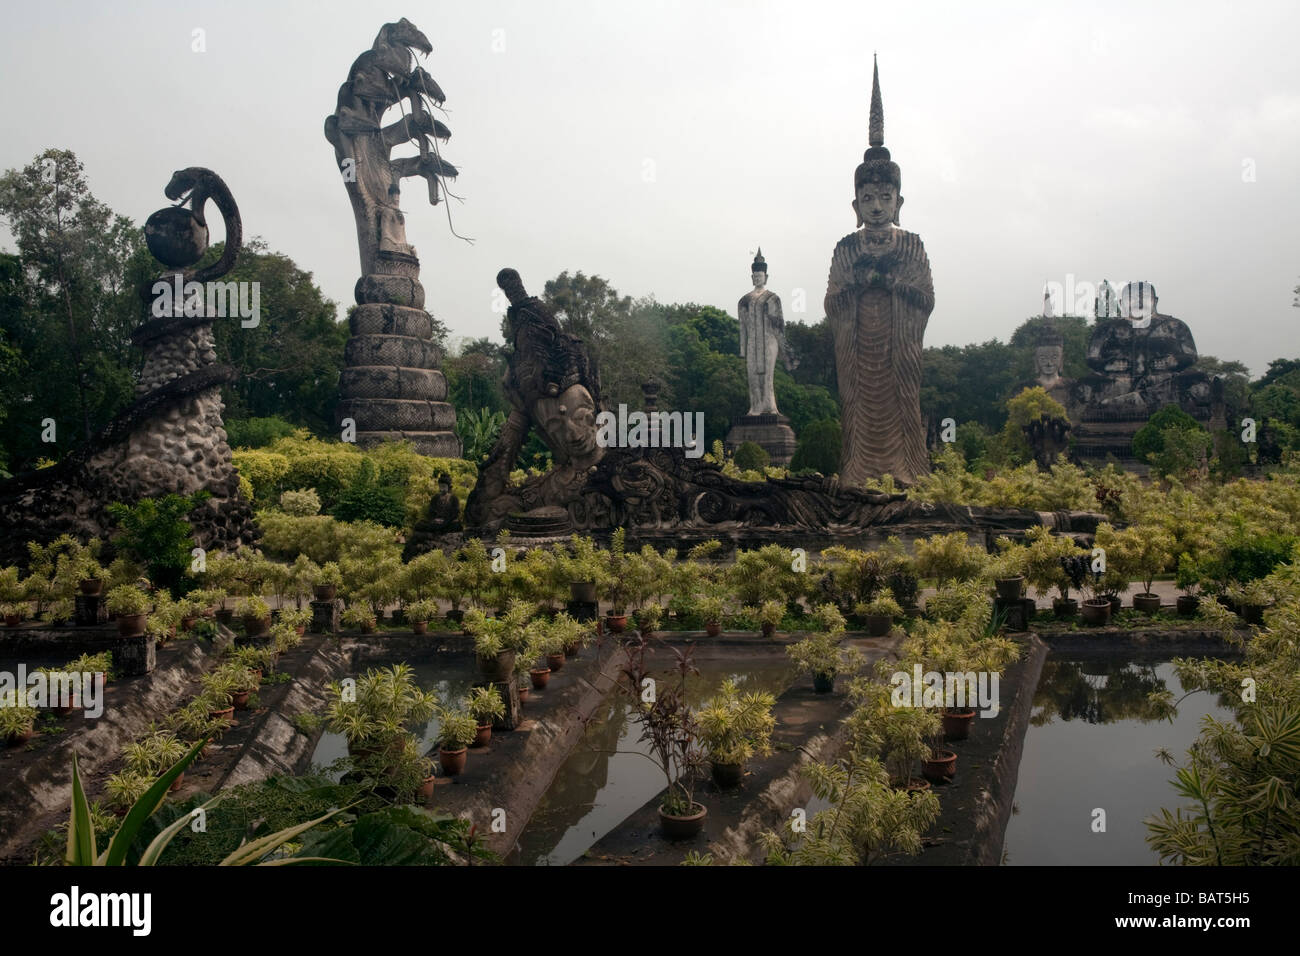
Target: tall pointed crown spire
(876, 165)
(876, 130)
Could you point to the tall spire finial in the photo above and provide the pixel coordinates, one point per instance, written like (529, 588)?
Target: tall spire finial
(876, 131)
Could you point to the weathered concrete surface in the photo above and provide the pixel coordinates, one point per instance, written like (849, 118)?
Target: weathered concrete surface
(976, 806)
(515, 769)
(37, 787)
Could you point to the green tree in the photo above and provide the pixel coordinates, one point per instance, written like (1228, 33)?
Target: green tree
(289, 363)
(68, 306)
(1149, 440)
(818, 448)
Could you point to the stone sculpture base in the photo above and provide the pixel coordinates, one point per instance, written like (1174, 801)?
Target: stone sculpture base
(509, 691)
(324, 617)
(391, 386)
(772, 433)
(135, 656)
(89, 610)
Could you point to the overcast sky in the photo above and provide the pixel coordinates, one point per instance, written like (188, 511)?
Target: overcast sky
(657, 144)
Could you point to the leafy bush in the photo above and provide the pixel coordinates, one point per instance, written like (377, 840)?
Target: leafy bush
(370, 499)
(750, 456)
(300, 503)
(156, 533)
(257, 432)
(819, 448)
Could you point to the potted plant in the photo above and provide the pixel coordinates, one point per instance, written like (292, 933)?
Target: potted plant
(13, 613)
(155, 754)
(1008, 569)
(939, 764)
(327, 581)
(374, 717)
(648, 619)
(255, 614)
(17, 724)
(1075, 568)
(879, 613)
(1189, 582)
(1096, 609)
(485, 705)
(456, 731)
(770, 616)
(821, 655)
(616, 581)
(131, 605)
(711, 607)
(126, 789)
(733, 728)
(218, 694)
(498, 639)
(670, 729)
(295, 619)
(1150, 553)
(420, 613)
(359, 616)
(1253, 599)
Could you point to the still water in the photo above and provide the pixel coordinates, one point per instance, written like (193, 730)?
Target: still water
(1091, 744)
(596, 790)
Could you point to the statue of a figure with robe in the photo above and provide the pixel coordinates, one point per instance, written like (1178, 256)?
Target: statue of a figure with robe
(878, 300)
(762, 339)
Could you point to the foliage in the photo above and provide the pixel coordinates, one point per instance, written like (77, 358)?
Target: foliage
(478, 431)
(750, 456)
(301, 504)
(156, 533)
(256, 432)
(485, 704)
(126, 599)
(456, 729)
(383, 704)
(818, 448)
(734, 727)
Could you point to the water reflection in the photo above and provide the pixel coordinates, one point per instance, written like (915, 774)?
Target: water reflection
(1091, 747)
(1096, 692)
(595, 789)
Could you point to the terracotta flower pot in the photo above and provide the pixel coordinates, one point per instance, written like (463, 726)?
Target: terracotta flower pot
(940, 766)
(17, 740)
(555, 661)
(541, 677)
(1146, 603)
(523, 694)
(823, 683)
(1188, 605)
(878, 625)
(483, 736)
(1096, 612)
(325, 592)
(239, 699)
(1010, 589)
(768, 629)
(425, 792)
(177, 783)
(683, 827)
(419, 627)
(367, 627)
(452, 761)
(227, 716)
(572, 650)
(617, 623)
(131, 625)
(957, 723)
(728, 775)
(916, 785)
(300, 630)
(13, 620)
(187, 623)
(712, 628)
(90, 586)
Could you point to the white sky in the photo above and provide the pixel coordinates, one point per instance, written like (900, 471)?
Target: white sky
(1094, 141)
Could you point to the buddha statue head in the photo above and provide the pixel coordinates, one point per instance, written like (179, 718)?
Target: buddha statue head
(877, 180)
(1049, 357)
(1137, 303)
(758, 271)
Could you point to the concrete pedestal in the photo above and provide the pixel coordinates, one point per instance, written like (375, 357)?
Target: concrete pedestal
(772, 433)
(135, 656)
(324, 617)
(89, 610)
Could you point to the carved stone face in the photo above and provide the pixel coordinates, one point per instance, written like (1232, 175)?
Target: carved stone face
(876, 205)
(1048, 360)
(569, 422)
(760, 279)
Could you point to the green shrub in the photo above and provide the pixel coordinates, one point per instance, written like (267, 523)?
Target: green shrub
(257, 432)
(300, 503)
(750, 456)
(819, 448)
(370, 499)
(156, 533)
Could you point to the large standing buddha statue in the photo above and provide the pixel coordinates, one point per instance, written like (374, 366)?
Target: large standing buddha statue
(878, 301)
